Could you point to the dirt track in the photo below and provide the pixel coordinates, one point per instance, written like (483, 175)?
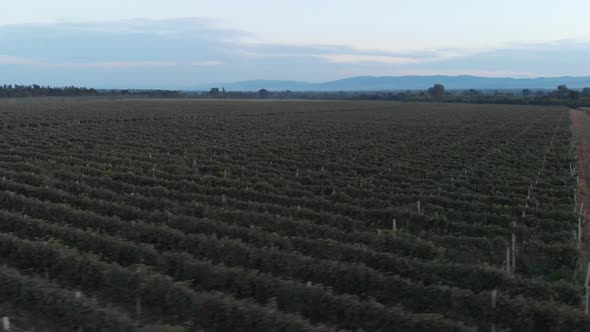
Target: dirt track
(581, 125)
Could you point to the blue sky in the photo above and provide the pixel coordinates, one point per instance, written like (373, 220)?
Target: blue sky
(182, 44)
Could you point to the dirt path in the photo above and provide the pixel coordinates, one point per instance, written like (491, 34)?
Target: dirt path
(581, 125)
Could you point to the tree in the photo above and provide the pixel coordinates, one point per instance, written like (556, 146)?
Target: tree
(263, 93)
(586, 92)
(471, 93)
(214, 92)
(527, 92)
(562, 91)
(574, 94)
(437, 91)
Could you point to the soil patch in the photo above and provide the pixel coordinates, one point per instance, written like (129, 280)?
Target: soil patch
(581, 125)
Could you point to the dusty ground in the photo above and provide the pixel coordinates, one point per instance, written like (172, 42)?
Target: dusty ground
(581, 125)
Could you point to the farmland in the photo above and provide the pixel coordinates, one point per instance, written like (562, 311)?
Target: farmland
(180, 215)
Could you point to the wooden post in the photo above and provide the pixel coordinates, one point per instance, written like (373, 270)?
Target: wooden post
(418, 206)
(508, 260)
(394, 225)
(494, 294)
(587, 302)
(579, 231)
(6, 323)
(529, 194)
(138, 306)
(513, 253)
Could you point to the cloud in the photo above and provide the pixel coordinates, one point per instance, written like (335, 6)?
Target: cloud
(354, 58)
(207, 63)
(315, 49)
(560, 58)
(114, 64)
(189, 52)
(15, 60)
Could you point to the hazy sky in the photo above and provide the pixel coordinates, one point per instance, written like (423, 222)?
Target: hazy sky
(181, 43)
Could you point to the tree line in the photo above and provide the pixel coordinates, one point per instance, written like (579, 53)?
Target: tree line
(11, 91)
(34, 90)
(562, 95)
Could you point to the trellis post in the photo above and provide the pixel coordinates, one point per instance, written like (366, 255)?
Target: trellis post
(138, 306)
(6, 323)
(494, 295)
(586, 284)
(513, 252)
(508, 260)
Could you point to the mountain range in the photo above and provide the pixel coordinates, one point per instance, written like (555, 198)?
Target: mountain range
(396, 83)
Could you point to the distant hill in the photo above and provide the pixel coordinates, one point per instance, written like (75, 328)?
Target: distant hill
(384, 83)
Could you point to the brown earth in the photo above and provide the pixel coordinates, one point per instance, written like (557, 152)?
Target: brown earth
(581, 126)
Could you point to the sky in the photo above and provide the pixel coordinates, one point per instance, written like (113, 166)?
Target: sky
(187, 44)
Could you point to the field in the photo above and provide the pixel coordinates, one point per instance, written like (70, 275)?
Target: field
(179, 215)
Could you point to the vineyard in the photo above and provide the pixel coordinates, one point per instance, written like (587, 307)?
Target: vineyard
(179, 215)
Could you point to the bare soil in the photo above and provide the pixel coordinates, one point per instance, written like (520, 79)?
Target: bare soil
(581, 126)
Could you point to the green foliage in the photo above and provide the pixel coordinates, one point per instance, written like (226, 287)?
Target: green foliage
(437, 91)
(264, 216)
